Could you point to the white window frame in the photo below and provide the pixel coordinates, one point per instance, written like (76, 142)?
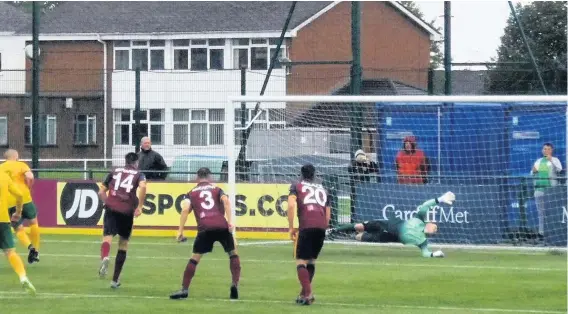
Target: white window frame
(48, 136)
(250, 45)
(147, 46)
(143, 120)
(266, 119)
(4, 137)
(91, 135)
(182, 122)
(194, 44)
(162, 123)
(207, 122)
(210, 123)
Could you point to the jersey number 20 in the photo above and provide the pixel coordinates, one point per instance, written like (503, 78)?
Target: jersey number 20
(125, 184)
(314, 196)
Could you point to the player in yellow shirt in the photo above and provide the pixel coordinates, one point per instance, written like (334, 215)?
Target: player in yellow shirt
(9, 189)
(23, 178)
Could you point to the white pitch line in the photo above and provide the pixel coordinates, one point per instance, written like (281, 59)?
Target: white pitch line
(173, 243)
(378, 263)
(16, 295)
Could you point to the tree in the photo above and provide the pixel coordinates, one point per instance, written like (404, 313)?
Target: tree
(544, 24)
(436, 54)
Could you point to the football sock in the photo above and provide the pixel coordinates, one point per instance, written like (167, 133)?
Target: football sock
(105, 249)
(188, 273)
(311, 270)
(347, 227)
(304, 278)
(34, 235)
(17, 264)
(118, 263)
(23, 237)
(235, 265)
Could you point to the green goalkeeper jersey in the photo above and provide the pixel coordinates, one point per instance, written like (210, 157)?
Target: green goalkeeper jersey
(411, 232)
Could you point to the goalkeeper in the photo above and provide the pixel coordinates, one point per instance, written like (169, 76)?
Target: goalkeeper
(412, 232)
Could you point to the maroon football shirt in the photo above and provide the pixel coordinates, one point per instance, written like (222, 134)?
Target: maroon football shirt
(312, 200)
(207, 207)
(122, 184)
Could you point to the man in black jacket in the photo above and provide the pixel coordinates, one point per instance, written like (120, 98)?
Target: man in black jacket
(362, 166)
(151, 160)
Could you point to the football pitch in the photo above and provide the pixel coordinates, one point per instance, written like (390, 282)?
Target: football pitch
(349, 279)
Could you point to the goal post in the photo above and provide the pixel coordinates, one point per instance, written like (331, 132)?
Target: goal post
(483, 148)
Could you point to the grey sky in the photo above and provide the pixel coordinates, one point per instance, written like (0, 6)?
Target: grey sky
(477, 27)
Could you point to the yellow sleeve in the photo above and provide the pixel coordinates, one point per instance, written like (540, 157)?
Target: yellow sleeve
(24, 167)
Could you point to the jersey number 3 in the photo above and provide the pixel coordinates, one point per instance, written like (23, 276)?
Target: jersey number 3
(314, 196)
(207, 198)
(125, 184)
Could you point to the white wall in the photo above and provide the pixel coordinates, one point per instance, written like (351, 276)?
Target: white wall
(13, 58)
(176, 89)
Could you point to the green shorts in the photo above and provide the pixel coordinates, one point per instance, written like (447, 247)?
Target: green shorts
(6, 237)
(29, 211)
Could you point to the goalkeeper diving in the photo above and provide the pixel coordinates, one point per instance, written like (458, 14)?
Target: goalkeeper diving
(414, 231)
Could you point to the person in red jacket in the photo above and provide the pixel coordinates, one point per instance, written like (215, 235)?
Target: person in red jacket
(411, 163)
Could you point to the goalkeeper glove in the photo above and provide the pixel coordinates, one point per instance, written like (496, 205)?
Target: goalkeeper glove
(438, 254)
(447, 198)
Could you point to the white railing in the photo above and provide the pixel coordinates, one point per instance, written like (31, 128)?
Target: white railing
(84, 162)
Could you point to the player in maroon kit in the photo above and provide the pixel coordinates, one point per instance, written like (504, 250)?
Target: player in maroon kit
(313, 216)
(121, 206)
(212, 211)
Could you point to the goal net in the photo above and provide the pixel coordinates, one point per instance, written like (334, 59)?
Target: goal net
(491, 151)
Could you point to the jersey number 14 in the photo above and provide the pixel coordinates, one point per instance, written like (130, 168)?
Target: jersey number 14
(125, 184)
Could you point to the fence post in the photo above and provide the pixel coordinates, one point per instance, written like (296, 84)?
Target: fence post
(136, 128)
(85, 175)
(35, 86)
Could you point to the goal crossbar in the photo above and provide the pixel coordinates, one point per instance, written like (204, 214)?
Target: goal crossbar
(400, 99)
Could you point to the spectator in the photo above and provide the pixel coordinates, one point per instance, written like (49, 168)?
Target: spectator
(411, 163)
(361, 167)
(151, 160)
(545, 169)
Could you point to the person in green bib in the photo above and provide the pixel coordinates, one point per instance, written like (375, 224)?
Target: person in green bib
(545, 171)
(414, 231)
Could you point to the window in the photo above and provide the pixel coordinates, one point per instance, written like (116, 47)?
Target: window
(156, 124)
(122, 121)
(260, 51)
(139, 54)
(181, 130)
(85, 129)
(216, 126)
(47, 130)
(259, 58)
(216, 59)
(268, 119)
(181, 59)
(240, 58)
(140, 59)
(199, 59)
(3, 130)
(151, 124)
(199, 54)
(199, 127)
(122, 55)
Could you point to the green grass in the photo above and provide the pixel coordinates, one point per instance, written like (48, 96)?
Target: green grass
(349, 279)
